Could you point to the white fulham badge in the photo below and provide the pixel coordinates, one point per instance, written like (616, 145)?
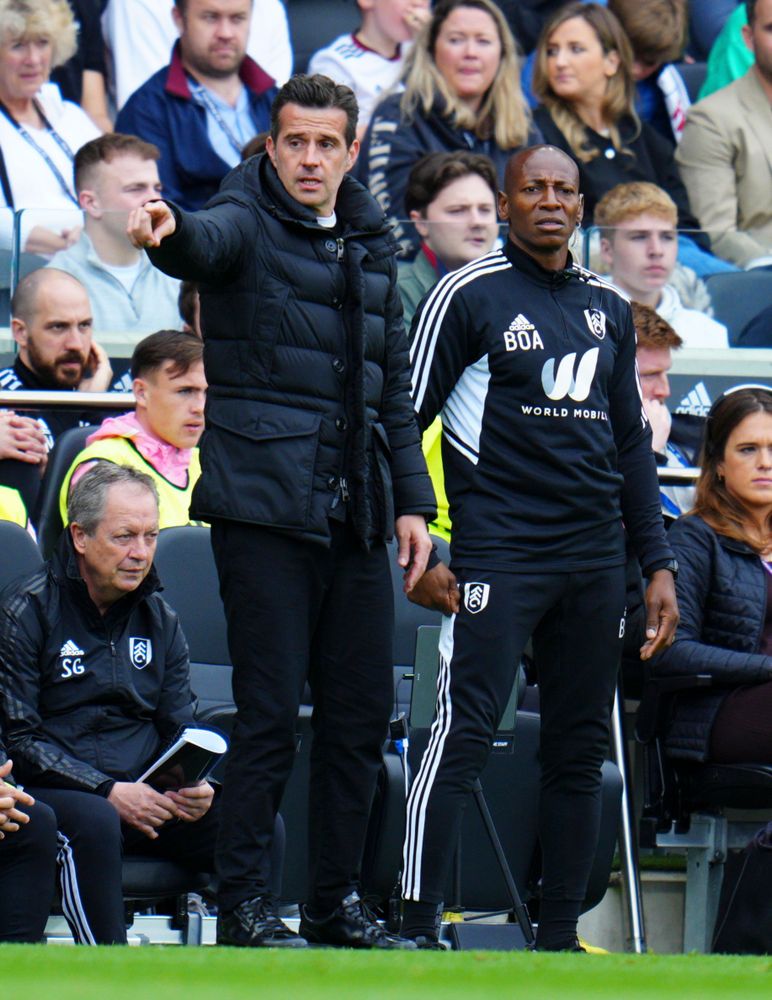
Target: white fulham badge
(476, 597)
(140, 652)
(596, 321)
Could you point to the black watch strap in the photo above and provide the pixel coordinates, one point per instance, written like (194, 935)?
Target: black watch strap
(671, 564)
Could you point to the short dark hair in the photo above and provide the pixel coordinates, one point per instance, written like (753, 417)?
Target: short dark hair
(186, 303)
(750, 10)
(105, 148)
(316, 92)
(151, 353)
(435, 171)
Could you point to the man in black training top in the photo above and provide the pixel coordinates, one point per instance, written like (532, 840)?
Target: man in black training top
(310, 459)
(546, 448)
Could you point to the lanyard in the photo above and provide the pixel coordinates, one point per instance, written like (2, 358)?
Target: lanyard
(29, 139)
(206, 99)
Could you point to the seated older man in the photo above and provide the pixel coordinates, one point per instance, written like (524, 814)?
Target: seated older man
(94, 680)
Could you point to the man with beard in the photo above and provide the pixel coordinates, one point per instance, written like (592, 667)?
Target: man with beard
(205, 106)
(51, 323)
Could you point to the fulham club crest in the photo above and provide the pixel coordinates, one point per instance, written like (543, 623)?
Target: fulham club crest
(476, 597)
(596, 321)
(140, 652)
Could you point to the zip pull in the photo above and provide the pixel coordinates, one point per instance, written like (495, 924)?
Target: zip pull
(341, 248)
(112, 648)
(344, 494)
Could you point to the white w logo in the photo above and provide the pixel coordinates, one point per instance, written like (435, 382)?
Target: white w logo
(564, 384)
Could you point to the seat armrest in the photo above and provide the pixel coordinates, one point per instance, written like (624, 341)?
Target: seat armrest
(648, 719)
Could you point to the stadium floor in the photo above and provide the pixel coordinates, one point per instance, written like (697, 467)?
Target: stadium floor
(66, 973)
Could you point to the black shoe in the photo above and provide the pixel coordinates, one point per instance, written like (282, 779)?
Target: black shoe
(568, 946)
(254, 924)
(349, 926)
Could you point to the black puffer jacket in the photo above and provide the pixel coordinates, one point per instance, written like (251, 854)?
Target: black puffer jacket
(722, 597)
(306, 357)
(87, 700)
(394, 144)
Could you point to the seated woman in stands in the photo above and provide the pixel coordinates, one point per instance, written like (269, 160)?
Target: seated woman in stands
(584, 81)
(462, 91)
(39, 131)
(724, 586)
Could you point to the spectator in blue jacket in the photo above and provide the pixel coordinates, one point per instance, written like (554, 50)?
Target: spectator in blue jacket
(203, 107)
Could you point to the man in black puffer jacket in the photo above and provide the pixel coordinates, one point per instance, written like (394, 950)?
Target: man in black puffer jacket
(310, 460)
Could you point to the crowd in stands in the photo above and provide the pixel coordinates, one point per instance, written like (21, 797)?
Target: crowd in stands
(107, 105)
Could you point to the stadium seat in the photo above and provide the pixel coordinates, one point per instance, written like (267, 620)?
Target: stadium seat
(693, 75)
(738, 297)
(686, 803)
(20, 554)
(49, 520)
(312, 28)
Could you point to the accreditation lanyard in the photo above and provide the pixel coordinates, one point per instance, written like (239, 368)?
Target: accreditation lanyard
(30, 140)
(206, 99)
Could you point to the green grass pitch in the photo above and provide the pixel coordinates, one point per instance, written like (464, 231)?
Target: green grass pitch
(66, 973)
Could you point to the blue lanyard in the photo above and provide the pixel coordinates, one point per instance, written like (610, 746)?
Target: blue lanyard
(206, 99)
(41, 152)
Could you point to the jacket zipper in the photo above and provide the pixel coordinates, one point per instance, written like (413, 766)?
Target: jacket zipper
(341, 248)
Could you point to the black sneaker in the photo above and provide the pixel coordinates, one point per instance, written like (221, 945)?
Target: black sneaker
(349, 925)
(254, 924)
(425, 943)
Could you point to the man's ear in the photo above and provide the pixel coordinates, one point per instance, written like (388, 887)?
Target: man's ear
(748, 37)
(139, 388)
(420, 223)
(89, 202)
(580, 213)
(78, 536)
(353, 153)
(179, 20)
(270, 148)
(19, 331)
(503, 206)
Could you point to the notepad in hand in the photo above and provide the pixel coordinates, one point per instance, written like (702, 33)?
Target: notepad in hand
(189, 760)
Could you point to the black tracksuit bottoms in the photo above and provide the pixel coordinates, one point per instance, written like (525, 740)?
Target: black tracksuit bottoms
(91, 844)
(27, 866)
(298, 610)
(575, 620)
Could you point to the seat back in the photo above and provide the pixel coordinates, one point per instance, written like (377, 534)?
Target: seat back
(49, 520)
(20, 554)
(312, 29)
(738, 297)
(693, 75)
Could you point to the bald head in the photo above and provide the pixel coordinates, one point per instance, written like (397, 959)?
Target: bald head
(541, 200)
(51, 323)
(547, 155)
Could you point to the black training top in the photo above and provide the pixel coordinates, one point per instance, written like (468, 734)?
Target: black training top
(545, 445)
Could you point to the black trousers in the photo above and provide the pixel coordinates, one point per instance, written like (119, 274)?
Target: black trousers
(27, 883)
(575, 620)
(91, 844)
(297, 610)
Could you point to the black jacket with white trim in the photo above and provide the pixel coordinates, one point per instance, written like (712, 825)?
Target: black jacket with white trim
(546, 446)
(87, 699)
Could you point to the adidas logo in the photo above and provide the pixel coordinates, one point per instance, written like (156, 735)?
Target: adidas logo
(520, 323)
(70, 649)
(696, 401)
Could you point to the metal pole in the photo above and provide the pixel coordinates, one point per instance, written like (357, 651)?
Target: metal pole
(628, 847)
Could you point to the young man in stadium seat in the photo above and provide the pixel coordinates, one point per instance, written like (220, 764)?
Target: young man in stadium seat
(203, 108)
(531, 361)
(160, 438)
(312, 461)
(639, 245)
(94, 680)
(371, 59)
(113, 174)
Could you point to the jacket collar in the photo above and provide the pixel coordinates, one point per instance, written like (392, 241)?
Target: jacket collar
(64, 567)
(251, 75)
(31, 380)
(526, 264)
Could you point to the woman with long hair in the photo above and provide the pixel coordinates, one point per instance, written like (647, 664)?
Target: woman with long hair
(724, 587)
(39, 131)
(461, 92)
(583, 79)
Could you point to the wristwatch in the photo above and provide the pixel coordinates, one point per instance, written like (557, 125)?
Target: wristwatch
(671, 564)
